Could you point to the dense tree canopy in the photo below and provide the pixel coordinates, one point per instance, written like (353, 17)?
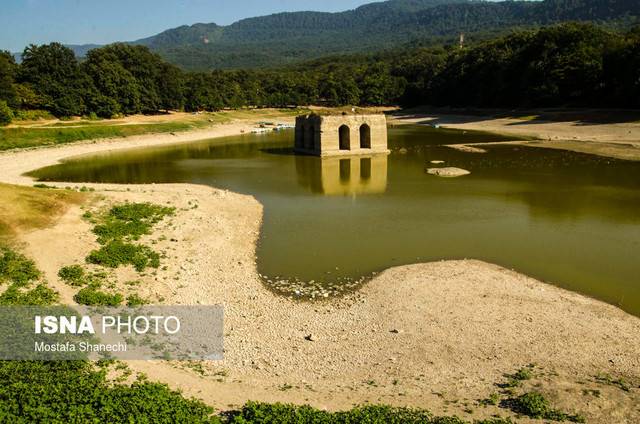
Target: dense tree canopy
(570, 64)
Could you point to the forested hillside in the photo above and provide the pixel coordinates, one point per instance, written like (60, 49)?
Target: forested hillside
(287, 38)
(570, 64)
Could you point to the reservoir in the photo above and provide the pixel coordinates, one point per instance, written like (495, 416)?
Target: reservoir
(567, 218)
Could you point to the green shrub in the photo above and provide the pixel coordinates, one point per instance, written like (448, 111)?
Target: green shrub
(16, 268)
(6, 115)
(91, 296)
(31, 115)
(523, 374)
(39, 295)
(72, 274)
(74, 391)
(135, 300)
(130, 221)
(493, 399)
(256, 412)
(117, 252)
(535, 405)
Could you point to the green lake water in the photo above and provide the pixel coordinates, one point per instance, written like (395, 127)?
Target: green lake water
(568, 218)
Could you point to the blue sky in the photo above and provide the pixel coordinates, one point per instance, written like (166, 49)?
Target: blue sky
(104, 21)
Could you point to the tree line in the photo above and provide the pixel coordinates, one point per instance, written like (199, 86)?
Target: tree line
(566, 65)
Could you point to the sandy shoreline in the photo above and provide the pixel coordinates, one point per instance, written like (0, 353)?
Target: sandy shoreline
(437, 335)
(617, 140)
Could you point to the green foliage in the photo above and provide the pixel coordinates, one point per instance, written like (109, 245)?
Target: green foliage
(6, 115)
(21, 137)
(122, 224)
(8, 69)
(31, 115)
(617, 382)
(135, 300)
(523, 374)
(117, 252)
(535, 405)
(16, 269)
(264, 413)
(72, 274)
(493, 399)
(130, 221)
(54, 73)
(21, 273)
(285, 38)
(92, 296)
(74, 391)
(568, 64)
(39, 295)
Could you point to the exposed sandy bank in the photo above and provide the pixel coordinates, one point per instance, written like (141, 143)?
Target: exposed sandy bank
(423, 335)
(618, 140)
(14, 163)
(426, 335)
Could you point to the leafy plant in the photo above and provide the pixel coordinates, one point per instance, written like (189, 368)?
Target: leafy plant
(130, 221)
(535, 405)
(135, 300)
(72, 274)
(15, 268)
(117, 252)
(92, 296)
(39, 295)
(6, 115)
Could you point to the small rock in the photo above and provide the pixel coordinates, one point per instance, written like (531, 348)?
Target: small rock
(310, 337)
(448, 172)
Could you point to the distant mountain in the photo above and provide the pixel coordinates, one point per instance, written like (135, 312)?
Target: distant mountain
(285, 38)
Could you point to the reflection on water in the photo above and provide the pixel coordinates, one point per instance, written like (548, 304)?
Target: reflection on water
(343, 175)
(563, 217)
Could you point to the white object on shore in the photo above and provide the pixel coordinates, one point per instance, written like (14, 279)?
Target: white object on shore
(448, 172)
(437, 161)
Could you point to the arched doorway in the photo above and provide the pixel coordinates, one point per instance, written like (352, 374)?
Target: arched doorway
(345, 137)
(310, 137)
(365, 136)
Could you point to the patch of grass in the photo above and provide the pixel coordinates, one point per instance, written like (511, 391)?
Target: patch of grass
(39, 295)
(77, 130)
(75, 391)
(92, 296)
(22, 137)
(612, 381)
(118, 227)
(493, 399)
(73, 275)
(117, 252)
(256, 412)
(27, 208)
(31, 115)
(135, 300)
(514, 380)
(20, 273)
(523, 374)
(16, 269)
(535, 405)
(130, 221)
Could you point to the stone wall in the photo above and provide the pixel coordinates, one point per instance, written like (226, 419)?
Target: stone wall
(325, 135)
